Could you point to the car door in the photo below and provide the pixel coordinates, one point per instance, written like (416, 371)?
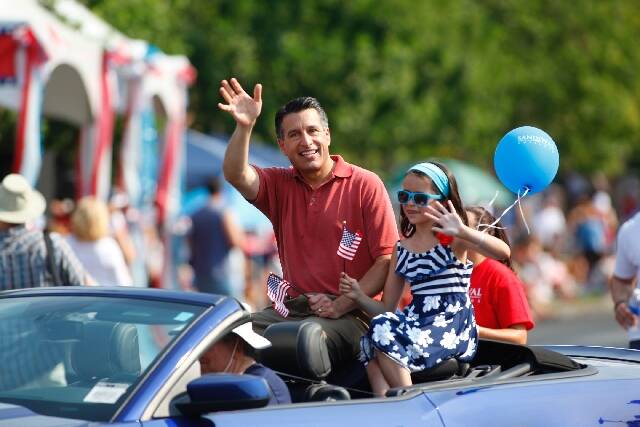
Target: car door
(405, 411)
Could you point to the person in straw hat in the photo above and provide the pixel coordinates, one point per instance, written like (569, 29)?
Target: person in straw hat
(25, 261)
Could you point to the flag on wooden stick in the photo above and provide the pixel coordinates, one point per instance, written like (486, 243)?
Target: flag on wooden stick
(277, 289)
(349, 243)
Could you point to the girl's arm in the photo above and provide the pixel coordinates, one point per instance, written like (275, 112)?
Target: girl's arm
(393, 287)
(448, 221)
(484, 243)
(371, 283)
(516, 334)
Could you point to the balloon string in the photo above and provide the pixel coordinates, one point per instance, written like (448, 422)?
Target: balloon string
(524, 219)
(520, 197)
(492, 201)
(489, 207)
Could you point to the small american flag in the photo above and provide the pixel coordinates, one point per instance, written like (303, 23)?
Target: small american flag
(277, 289)
(349, 243)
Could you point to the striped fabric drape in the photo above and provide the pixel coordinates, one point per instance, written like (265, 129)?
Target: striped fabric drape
(29, 59)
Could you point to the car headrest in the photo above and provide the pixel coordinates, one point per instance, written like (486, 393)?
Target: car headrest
(298, 348)
(106, 349)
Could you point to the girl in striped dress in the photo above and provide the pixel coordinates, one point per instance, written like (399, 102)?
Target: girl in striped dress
(432, 258)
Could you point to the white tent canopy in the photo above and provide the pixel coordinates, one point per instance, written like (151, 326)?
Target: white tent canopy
(73, 63)
(69, 65)
(65, 63)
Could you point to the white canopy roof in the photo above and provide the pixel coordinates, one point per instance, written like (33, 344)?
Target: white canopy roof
(72, 72)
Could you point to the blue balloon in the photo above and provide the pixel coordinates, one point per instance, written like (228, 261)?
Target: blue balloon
(526, 157)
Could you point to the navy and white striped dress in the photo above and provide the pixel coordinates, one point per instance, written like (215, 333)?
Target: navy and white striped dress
(438, 324)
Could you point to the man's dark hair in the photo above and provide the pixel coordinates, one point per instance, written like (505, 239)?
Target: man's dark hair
(297, 105)
(214, 185)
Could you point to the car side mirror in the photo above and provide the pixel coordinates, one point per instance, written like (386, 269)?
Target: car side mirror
(223, 392)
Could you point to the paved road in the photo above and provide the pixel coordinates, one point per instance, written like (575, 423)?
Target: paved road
(582, 323)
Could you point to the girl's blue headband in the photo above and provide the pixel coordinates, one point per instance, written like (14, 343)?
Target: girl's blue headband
(436, 174)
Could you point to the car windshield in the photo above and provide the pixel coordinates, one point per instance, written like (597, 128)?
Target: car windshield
(81, 356)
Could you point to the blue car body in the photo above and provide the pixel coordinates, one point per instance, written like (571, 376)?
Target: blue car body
(602, 388)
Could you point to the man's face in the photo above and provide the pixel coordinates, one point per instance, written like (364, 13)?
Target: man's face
(217, 357)
(305, 141)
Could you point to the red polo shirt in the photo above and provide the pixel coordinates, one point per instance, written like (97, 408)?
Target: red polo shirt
(498, 296)
(308, 223)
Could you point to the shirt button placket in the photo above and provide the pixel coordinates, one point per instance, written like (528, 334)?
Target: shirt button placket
(313, 202)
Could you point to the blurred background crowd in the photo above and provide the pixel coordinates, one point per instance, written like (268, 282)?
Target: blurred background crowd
(569, 252)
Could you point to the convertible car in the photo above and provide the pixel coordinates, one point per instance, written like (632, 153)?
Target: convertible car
(129, 357)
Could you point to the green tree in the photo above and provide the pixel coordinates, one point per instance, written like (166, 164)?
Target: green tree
(403, 80)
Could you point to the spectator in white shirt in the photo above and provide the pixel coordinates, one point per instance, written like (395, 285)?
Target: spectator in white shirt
(97, 251)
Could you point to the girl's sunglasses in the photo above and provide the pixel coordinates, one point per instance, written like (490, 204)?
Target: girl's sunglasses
(420, 199)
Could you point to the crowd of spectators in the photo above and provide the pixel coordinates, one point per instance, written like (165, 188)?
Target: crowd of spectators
(116, 243)
(564, 238)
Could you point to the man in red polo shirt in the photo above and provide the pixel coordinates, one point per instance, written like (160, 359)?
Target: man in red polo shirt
(308, 205)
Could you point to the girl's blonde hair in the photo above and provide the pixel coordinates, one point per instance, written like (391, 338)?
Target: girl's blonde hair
(90, 220)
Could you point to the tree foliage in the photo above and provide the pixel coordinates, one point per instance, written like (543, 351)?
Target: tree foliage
(403, 80)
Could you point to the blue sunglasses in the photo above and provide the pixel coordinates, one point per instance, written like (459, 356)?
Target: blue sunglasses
(420, 199)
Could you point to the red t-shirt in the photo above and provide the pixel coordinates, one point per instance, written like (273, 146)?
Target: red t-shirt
(308, 223)
(498, 296)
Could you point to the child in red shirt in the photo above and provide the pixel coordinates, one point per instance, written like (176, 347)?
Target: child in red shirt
(501, 307)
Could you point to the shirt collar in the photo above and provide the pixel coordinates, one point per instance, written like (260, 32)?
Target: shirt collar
(341, 169)
(13, 231)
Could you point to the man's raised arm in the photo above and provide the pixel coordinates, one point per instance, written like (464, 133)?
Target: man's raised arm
(245, 111)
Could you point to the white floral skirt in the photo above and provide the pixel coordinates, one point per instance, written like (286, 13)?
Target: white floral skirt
(428, 331)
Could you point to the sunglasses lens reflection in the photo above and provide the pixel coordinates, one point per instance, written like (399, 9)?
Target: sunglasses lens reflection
(421, 199)
(403, 197)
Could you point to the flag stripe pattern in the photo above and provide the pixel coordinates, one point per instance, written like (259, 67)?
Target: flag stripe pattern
(277, 289)
(349, 244)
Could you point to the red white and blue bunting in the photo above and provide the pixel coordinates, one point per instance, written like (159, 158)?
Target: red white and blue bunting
(22, 60)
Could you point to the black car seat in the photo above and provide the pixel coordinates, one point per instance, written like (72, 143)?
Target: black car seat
(299, 351)
(443, 371)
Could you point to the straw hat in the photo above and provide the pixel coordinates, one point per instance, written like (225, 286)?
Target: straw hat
(19, 202)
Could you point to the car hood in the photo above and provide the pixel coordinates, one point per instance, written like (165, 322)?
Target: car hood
(12, 415)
